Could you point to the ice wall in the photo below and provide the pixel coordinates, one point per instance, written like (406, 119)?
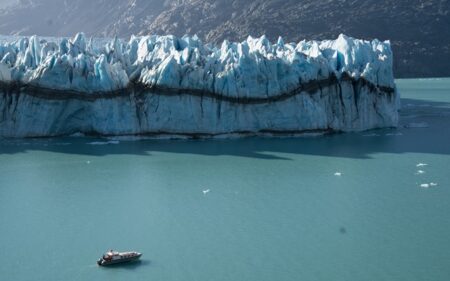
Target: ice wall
(165, 84)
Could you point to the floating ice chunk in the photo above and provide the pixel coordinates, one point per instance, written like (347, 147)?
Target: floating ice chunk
(428, 185)
(419, 172)
(421, 165)
(63, 143)
(371, 135)
(338, 174)
(104, 142)
(77, 135)
(206, 191)
(98, 143)
(417, 125)
(88, 162)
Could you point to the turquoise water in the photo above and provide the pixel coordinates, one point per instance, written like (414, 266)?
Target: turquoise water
(275, 209)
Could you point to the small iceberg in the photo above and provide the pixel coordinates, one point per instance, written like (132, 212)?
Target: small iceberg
(394, 134)
(104, 142)
(428, 185)
(417, 125)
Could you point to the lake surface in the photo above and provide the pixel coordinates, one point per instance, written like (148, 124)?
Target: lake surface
(341, 207)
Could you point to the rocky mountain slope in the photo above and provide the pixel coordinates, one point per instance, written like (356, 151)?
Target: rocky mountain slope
(418, 29)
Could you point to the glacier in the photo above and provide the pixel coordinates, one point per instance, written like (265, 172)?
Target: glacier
(166, 85)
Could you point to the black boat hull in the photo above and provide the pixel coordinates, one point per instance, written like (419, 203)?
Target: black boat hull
(103, 262)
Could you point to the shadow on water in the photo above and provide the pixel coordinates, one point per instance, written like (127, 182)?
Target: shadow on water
(432, 135)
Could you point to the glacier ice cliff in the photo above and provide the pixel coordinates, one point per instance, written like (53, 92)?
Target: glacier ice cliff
(157, 85)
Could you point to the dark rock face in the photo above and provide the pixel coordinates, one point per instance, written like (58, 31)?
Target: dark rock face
(418, 29)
